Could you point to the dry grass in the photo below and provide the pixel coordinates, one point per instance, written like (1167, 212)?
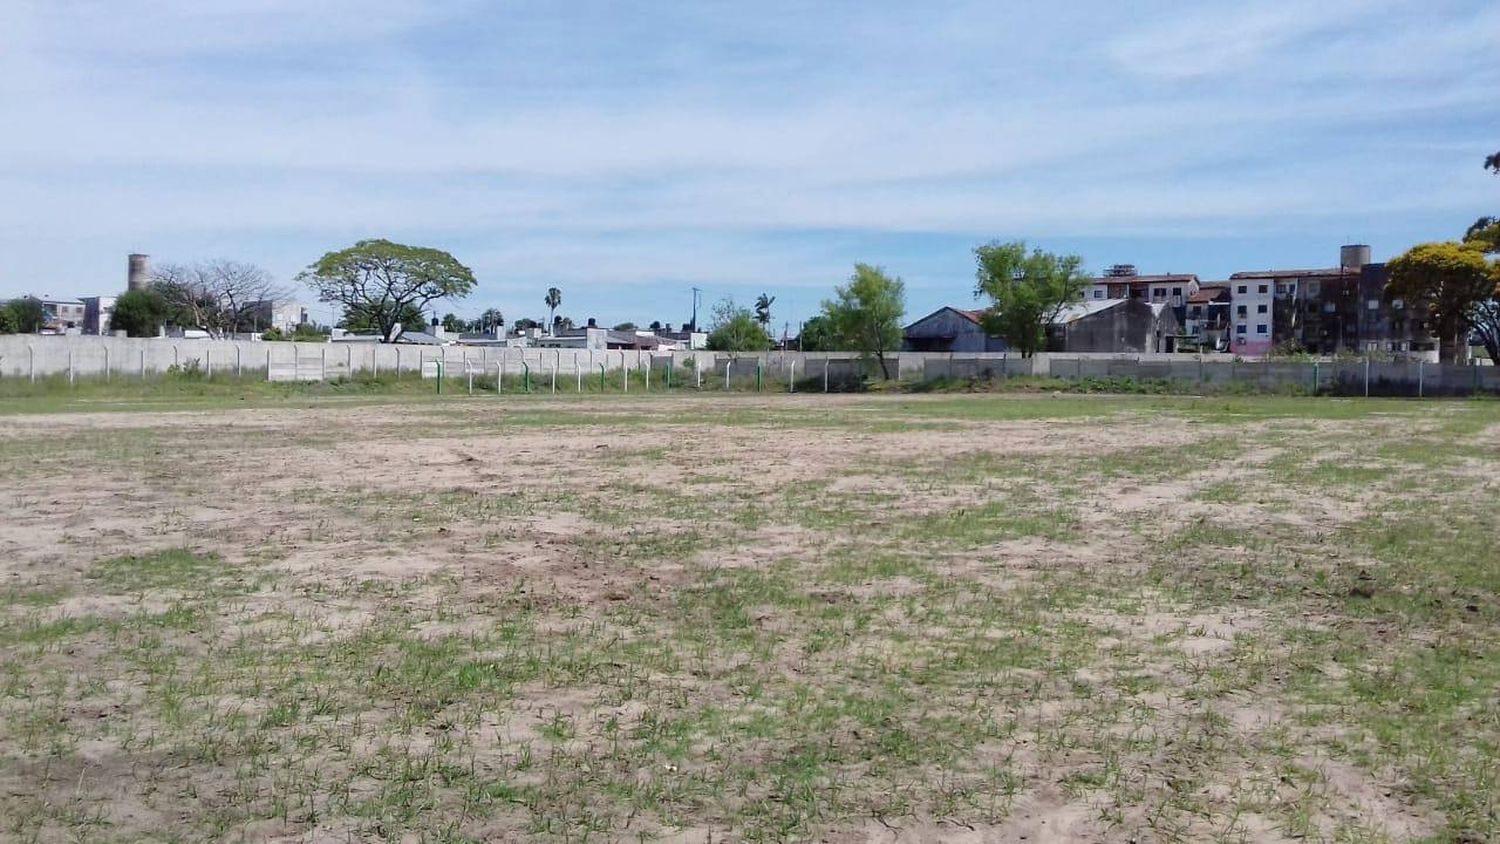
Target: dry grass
(688, 619)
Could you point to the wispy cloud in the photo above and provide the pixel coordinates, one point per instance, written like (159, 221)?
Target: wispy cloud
(643, 148)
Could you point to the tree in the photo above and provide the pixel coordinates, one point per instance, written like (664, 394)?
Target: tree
(735, 329)
(1492, 163)
(139, 313)
(553, 301)
(1026, 291)
(1485, 233)
(625, 326)
(360, 319)
(526, 324)
(1451, 281)
(23, 315)
(865, 314)
(454, 323)
(491, 320)
(655, 325)
(763, 309)
(383, 279)
(817, 335)
(219, 296)
(562, 323)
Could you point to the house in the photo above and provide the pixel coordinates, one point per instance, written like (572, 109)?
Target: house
(950, 330)
(1122, 325)
(265, 314)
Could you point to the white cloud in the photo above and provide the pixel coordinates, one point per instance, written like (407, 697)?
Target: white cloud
(722, 141)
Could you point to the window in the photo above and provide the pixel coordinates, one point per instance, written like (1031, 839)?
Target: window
(1372, 304)
(1260, 309)
(1260, 329)
(1242, 289)
(1098, 294)
(1263, 289)
(1239, 329)
(1280, 287)
(1177, 291)
(1243, 310)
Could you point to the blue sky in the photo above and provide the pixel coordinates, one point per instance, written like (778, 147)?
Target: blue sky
(627, 152)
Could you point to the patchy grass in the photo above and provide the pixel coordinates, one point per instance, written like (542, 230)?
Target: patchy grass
(1145, 618)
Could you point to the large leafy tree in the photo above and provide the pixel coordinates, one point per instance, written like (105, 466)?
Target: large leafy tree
(865, 314)
(139, 313)
(1027, 291)
(735, 329)
(1451, 281)
(382, 280)
(22, 316)
(360, 319)
(818, 335)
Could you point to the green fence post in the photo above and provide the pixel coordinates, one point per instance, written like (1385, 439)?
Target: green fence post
(440, 377)
(601, 377)
(671, 362)
(758, 366)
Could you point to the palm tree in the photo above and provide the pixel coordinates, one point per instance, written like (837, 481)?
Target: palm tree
(553, 300)
(763, 309)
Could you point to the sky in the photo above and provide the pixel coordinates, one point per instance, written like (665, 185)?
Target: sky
(627, 152)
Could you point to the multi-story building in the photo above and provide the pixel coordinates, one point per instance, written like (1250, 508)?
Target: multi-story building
(97, 311)
(1208, 317)
(1336, 309)
(59, 316)
(1251, 317)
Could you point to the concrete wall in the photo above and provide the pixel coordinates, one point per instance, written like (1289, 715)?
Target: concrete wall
(25, 356)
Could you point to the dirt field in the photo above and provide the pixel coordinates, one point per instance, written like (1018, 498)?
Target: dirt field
(688, 619)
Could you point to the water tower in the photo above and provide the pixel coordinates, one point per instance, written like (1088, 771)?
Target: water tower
(1354, 256)
(140, 272)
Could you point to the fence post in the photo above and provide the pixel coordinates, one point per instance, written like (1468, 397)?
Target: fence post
(646, 374)
(758, 368)
(697, 372)
(469, 371)
(176, 356)
(322, 363)
(825, 375)
(624, 374)
(1315, 378)
(1200, 370)
(728, 365)
(295, 373)
(239, 362)
(791, 377)
(525, 374)
(106, 364)
(500, 372)
(398, 362)
(143, 364)
(208, 362)
(439, 363)
(70, 366)
(349, 359)
(1367, 377)
(556, 364)
(375, 360)
(578, 371)
(601, 372)
(31, 361)
(1420, 371)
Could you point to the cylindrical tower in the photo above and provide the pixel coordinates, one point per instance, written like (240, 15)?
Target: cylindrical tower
(140, 272)
(1354, 256)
